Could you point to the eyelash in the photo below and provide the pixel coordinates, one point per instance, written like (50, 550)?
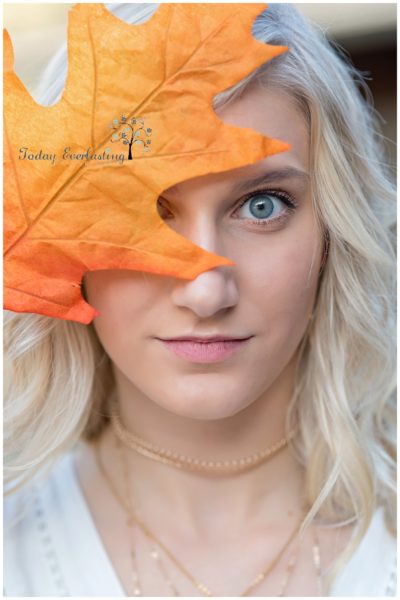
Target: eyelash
(288, 200)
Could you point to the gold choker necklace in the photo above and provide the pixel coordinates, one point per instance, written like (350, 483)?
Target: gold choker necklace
(159, 549)
(179, 461)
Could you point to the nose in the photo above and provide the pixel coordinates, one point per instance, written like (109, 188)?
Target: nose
(211, 291)
(206, 295)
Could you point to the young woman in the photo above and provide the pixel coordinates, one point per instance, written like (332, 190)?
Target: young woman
(142, 463)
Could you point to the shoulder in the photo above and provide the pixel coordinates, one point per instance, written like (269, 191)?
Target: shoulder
(371, 570)
(31, 545)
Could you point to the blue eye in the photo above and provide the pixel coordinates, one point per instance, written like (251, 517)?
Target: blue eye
(266, 206)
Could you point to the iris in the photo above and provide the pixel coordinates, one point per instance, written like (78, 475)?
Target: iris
(261, 207)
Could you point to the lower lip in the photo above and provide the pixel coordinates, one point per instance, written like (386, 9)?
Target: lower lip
(205, 352)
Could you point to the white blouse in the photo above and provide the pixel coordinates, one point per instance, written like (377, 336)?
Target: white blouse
(56, 550)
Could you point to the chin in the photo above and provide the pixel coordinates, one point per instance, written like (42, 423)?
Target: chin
(211, 404)
(203, 412)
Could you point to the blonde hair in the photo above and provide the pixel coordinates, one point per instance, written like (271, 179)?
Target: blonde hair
(59, 377)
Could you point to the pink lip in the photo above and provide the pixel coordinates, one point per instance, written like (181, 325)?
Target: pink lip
(204, 352)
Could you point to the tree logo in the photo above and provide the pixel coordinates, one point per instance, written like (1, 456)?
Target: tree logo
(131, 132)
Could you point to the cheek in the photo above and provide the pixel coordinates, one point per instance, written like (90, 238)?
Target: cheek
(121, 298)
(281, 284)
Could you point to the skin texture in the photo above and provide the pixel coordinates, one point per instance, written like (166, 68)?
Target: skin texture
(231, 408)
(269, 293)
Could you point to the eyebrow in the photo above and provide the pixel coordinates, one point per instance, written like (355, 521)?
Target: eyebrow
(269, 177)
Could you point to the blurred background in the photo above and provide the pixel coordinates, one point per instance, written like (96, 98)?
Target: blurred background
(366, 32)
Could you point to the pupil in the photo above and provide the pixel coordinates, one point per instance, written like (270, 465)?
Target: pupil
(262, 208)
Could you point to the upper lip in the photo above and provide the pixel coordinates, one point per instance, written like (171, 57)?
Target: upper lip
(206, 338)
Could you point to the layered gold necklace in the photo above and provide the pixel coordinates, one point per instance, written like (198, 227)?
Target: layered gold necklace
(128, 439)
(188, 463)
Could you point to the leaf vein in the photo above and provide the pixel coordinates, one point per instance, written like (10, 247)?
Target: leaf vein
(20, 197)
(94, 82)
(8, 287)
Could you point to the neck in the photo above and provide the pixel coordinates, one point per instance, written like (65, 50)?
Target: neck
(270, 493)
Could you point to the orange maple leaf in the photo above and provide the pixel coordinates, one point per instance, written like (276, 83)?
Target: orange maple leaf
(64, 217)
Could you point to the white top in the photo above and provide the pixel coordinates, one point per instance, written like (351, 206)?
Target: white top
(56, 550)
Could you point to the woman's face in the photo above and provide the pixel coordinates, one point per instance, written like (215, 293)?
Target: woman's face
(269, 294)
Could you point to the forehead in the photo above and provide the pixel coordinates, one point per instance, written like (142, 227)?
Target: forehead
(272, 113)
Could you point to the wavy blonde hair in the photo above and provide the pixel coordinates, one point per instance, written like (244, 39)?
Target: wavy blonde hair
(59, 379)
